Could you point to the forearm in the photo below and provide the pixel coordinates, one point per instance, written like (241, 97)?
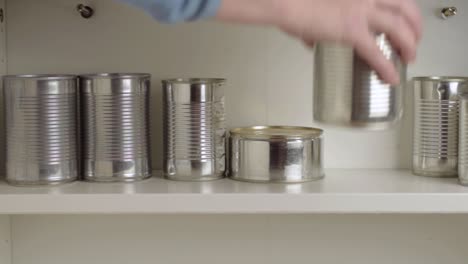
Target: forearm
(260, 12)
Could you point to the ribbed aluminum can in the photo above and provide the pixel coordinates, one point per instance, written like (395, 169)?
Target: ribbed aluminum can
(436, 125)
(194, 129)
(348, 93)
(41, 129)
(276, 154)
(463, 141)
(115, 127)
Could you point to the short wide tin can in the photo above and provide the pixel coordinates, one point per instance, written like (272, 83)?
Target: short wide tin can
(41, 129)
(276, 154)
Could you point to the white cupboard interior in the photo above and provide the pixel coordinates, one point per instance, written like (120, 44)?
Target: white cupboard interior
(369, 208)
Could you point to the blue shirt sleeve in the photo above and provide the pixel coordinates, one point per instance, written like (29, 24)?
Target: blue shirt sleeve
(173, 11)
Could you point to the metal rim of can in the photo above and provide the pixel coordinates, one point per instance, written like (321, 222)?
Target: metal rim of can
(49, 77)
(114, 75)
(268, 133)
(194, 81)
(442, 78)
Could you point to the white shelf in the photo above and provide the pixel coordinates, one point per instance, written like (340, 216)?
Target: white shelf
(343, 191)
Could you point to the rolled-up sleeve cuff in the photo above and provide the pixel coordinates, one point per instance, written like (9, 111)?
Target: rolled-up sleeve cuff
(212, 8)
(174, 11)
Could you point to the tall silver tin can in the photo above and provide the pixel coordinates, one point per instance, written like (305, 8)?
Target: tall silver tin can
(41, 129)
(348, 93)
(463, 141)
(436, 124)
(194, 129)
(115, 127)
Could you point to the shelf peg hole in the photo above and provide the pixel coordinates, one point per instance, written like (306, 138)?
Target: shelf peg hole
(449, 12)
(85, 11)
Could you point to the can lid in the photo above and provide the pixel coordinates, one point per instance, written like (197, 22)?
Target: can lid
(49, 77)
(277, 132)
(115, 75)
(194, 81)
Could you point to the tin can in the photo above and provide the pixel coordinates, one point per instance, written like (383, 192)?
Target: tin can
(277, 154)
(348, 93)
(463, 141)
(194, 129)
(115, 127)
(41, 129)
(436, 125)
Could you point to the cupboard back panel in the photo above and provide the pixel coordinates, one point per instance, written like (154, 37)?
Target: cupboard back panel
(270, 75)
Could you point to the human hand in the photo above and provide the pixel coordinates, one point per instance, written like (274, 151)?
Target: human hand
(353, 22)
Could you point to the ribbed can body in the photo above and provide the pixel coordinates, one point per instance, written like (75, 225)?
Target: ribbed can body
(41, 129)
(115, 127)
(436, 125)
(463, 141)
(194, 129)
(348, 93)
